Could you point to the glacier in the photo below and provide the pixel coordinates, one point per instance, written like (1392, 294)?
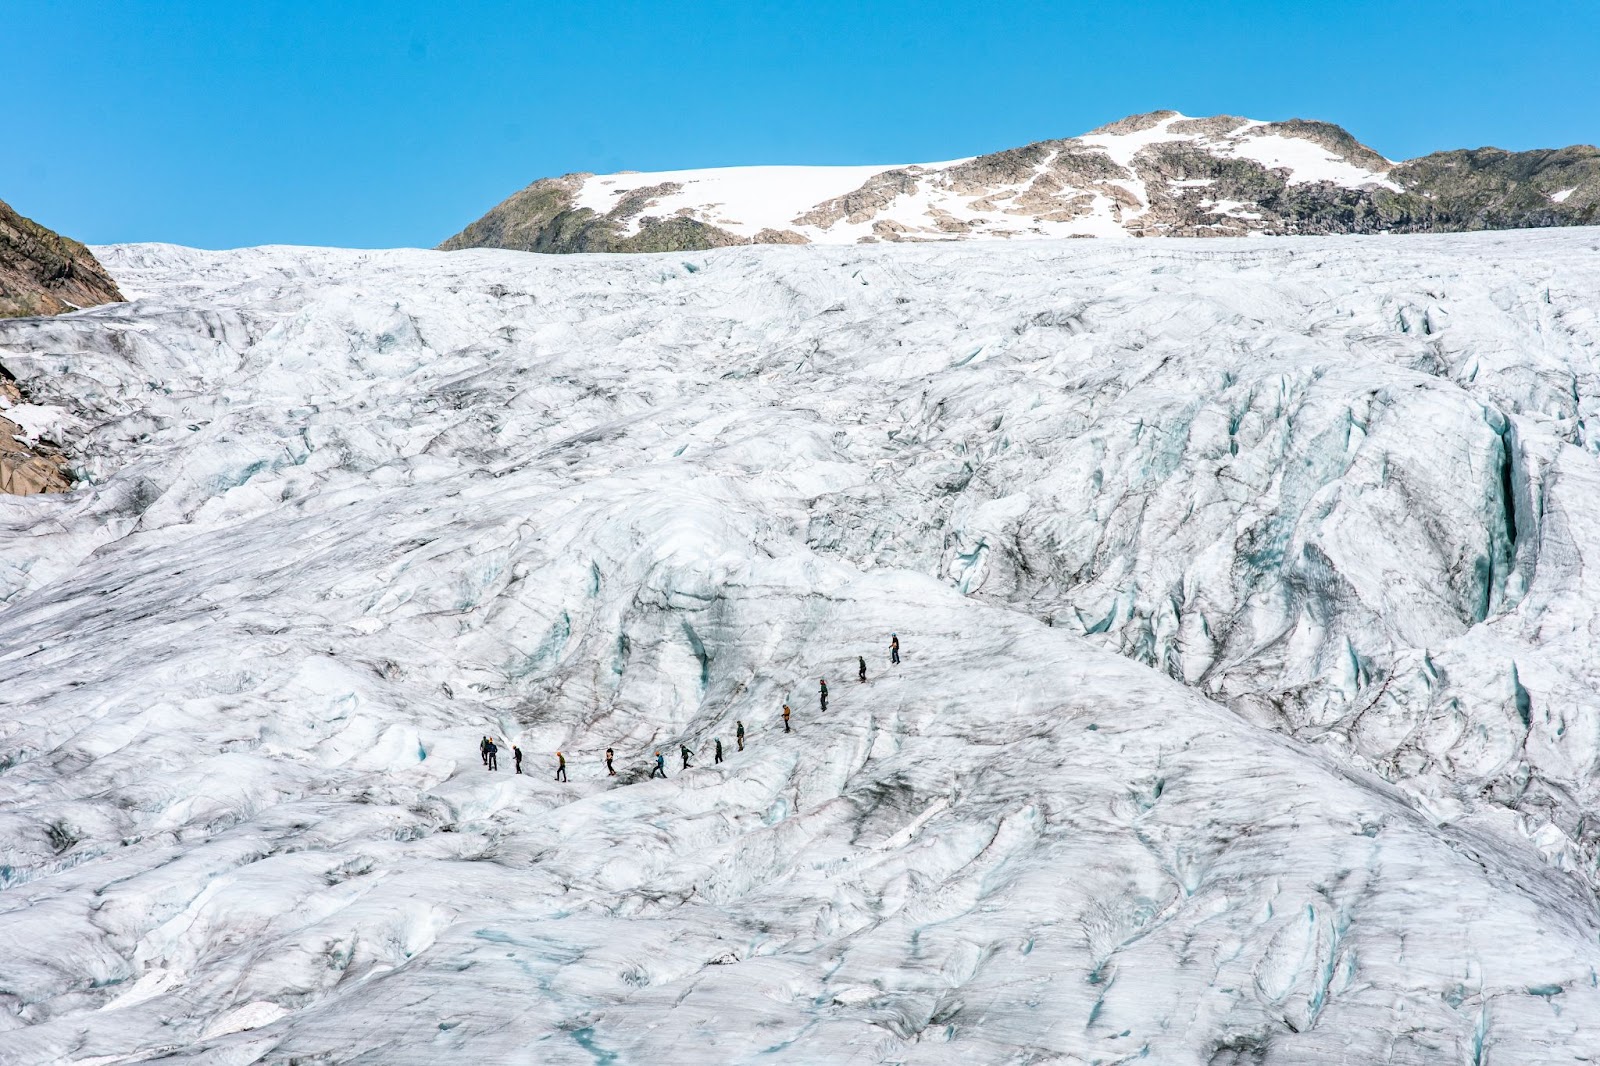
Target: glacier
(1247, 708)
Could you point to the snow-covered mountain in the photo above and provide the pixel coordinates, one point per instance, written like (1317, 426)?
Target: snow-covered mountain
(1158, 174)
(1247, 713)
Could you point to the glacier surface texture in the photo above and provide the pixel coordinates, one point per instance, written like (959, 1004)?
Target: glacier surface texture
(1246, 593)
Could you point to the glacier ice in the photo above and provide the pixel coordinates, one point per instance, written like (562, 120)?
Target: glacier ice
(1246, 715)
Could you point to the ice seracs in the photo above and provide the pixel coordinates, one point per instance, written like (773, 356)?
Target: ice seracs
(1246, 710)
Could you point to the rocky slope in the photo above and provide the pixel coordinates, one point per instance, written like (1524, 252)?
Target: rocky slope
(44, 273)
(1159, 174)
(41, 273)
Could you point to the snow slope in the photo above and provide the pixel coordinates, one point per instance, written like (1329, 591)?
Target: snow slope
(1247, 712)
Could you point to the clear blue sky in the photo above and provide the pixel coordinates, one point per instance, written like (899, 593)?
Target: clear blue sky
(235, 122)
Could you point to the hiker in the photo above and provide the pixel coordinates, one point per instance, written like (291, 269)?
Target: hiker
(609, 771)
(862, 672)
(516, 757)
(483, 750)
(686, 753)
(719, 750)
(494, 762)
(822, 693)
(740, 734)
(785, 717)
(894, 648)
(561, 767)
(661, 767)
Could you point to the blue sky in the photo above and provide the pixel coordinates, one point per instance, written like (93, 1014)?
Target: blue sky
(380, 124)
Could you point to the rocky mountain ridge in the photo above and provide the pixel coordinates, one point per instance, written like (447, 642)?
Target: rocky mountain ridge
(1157, 174)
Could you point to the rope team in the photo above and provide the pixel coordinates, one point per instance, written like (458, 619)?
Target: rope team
(489, 750)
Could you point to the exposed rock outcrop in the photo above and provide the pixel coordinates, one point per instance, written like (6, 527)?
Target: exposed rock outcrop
(26, 469)
(1487, 188)
(44, 273)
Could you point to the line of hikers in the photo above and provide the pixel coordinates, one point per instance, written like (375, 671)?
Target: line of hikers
(489, 750)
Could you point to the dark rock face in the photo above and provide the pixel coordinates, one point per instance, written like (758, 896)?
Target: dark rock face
(1185, 185)
(44, 273)
(1487, 188)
